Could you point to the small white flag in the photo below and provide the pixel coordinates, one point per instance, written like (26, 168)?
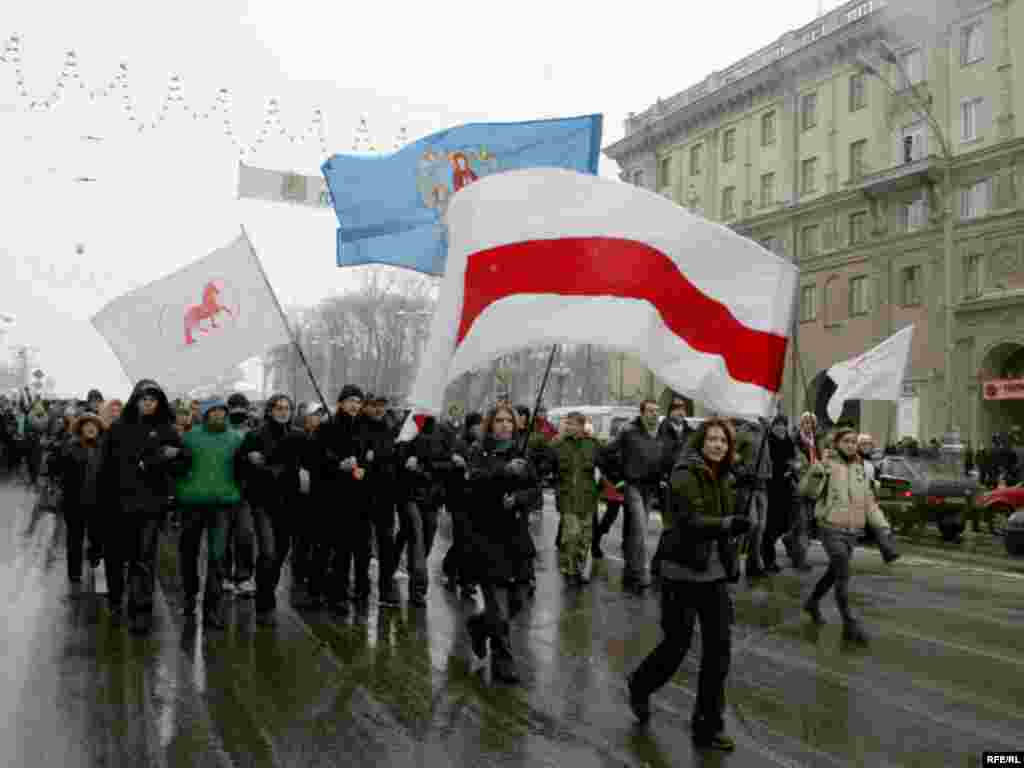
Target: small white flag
(874, 375)
(187, 328)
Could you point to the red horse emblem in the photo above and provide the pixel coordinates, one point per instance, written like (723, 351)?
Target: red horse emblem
(208, 310)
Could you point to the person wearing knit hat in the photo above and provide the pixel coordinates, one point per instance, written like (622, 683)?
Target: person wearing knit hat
(351, 391)
(845, 505)
(239, 562)
(209, 495)
(78, 465)
(781, 490)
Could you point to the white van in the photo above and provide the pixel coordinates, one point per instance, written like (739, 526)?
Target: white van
(607, 419)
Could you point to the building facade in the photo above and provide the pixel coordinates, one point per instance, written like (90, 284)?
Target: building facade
(893, 175)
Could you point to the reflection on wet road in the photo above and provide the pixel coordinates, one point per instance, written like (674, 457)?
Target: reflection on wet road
(942, 681)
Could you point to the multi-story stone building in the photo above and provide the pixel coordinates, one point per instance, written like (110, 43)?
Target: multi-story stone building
(831, 146)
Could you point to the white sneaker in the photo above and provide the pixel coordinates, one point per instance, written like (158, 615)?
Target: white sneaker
(247, 588)
(401, 573)
(227, 586)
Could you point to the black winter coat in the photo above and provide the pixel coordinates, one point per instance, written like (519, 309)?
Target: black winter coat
(500, 547)
(336, 441)
(77, 473)
(382, 469)
(635, 456)
(135, 474)
(674, 445)
(433, 451)
(276, 482)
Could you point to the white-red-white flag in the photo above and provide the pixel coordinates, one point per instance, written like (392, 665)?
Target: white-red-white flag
(188, 328)
(874, 375)
(551, 256)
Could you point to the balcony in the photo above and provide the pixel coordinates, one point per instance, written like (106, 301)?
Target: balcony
(900, 177)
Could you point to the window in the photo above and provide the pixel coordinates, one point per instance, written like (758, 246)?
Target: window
(858, 92)
(914, 143)
(768, 128)
(859, 296)
(914, 215)
(831, 301)
(814, 33)
(809, 172)
(809, 110)
(974, 200)
(808, 308)
(767, 190)
(911, 69)
(696, 156)
(729, 145)
(638, 178)
(810, 240)
(970, 111)
(858, 227)
(666, 172)
(859, 12)
(910, 286)
(857, 152)
(972, 289)
(728, 202)
(773, 244)
(972, 45)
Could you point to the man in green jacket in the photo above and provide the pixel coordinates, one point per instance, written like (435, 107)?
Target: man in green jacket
(208, 495)
(575, 458)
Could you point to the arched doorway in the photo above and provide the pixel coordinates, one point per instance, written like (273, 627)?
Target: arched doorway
(819, 391)
(1003, 361)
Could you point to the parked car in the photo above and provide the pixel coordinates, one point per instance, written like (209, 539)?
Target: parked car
(1015, 534)
(914, 491)
(997, 505)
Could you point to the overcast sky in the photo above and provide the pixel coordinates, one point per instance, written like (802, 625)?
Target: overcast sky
(166, 197)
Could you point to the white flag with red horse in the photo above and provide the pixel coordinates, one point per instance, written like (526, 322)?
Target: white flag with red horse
(187, 328)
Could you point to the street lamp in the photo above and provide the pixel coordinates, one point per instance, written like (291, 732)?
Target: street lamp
(924, 110)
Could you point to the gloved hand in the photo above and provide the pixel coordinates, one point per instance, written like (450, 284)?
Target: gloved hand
(516, 468)
(412, 463)
(369, 456)
(170, 451)
(255, 457)
(458, 461)
(739, 525)
(510, 501)
(348, 464)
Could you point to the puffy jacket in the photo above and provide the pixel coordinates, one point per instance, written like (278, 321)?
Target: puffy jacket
(700, 511)
(577, 489)
(215, 466)
(634, 455)
(500, 546)
(843, 495)
(135, 473)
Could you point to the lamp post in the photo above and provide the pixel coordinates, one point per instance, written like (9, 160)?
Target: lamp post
(924, 110)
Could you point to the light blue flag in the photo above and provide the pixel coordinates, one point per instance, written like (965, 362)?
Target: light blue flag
(391, 207)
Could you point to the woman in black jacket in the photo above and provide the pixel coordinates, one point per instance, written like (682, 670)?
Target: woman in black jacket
(79, 469)
(698, 561)
(502, 487)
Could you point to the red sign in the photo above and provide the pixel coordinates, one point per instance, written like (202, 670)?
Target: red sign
(1003, 389)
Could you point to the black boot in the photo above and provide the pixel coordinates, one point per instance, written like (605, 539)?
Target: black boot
(854, 633)
(639, 703)
(503, 664)
(814, 609)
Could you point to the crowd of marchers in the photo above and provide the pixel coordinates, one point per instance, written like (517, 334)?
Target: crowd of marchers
(257, 483)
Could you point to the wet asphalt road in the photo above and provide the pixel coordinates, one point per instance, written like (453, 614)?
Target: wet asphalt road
(942, 681)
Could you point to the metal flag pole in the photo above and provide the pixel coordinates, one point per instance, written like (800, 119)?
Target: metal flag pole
(540, 396)
(284, 320)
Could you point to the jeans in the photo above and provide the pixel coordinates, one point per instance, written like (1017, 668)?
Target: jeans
(634, 544)
(240, 538)
(273, 537)
(682, 604)
(132, 542)
(797, 540)
(757, 500)
(77, 519)
(350, 545)
(215, 520)
(502, 602)
(839, 548)
(420, 523)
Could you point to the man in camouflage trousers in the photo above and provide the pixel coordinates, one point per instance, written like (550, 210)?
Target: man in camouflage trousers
(575, 457)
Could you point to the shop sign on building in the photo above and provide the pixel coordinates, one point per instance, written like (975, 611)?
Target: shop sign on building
(1003, 389)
